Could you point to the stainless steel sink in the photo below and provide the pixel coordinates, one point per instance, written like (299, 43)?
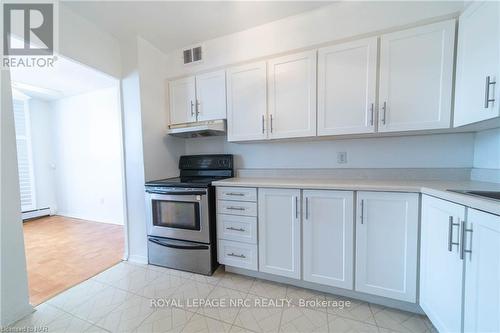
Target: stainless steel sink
(483, 194)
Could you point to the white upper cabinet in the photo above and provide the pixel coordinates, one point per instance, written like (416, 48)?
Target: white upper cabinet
(211, 96)
(247, 102)
(182, 101)
(416, 72)
(279, 232)
(347, 83)
(440, 264)
(386, 244)
(478, 64)
(328, 225)
(482, 272)
(292, 95)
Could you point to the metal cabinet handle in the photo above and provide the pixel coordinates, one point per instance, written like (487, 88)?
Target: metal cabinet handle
(371, 115)
(384, 109)
(263, 124)
(362, 211)
(197, 107)
(296, 207)
(235, 208)
(463, 250)
(487, 98)
(235, 229)
(271, 117)
(235, 194)
(242, 256)
(307, 208)
(192, 109)
(450, 233)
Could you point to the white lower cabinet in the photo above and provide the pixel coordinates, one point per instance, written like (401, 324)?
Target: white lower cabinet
(328, 237)
(440, 265)
(279, 232)
(237, 254)
(386, 244)
(481, 252)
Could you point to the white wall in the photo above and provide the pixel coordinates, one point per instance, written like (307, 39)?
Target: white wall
(339, 21)
(43, 153)
(87, 155)
(429, 151)
(487, 156)
(161, 152)
(14, 299)
(81, 40)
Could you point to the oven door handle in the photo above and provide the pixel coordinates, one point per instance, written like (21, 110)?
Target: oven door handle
(181, 247)
(178, 193)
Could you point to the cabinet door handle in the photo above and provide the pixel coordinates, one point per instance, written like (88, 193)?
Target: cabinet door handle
(487, 98)
(192, 109)
(271, 117)
(307, 208)
(242, 256)
(263, 123)
(235, 229)
(296, 207)
(450, 233)
(197, 107)
(463, 238)
(371, 115)
(235, 194)
(362, 211)
(235, 208)
(384, 109)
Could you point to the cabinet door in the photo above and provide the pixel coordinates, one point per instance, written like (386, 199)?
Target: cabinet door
(292, 95)
(279, 232)
(182, 101)
(440, 265)
(211, 96)
(386, 244)
(328, 223)
(482, 272)
(346, 87)
(478, 58)
(246, 102)
(416, 71)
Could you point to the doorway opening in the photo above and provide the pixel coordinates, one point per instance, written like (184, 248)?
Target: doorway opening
(71, 173)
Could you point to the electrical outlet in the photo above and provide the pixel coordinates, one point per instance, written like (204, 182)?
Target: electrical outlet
(342, 157)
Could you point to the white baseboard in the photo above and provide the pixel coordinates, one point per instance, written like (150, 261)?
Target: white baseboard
(36, 213)
(138, 259)
(405, 306)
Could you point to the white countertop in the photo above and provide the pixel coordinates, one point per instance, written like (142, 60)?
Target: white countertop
(434, 188)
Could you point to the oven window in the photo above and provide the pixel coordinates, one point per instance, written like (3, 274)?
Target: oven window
(176, 214)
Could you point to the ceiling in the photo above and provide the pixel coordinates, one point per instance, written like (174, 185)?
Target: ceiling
(170, 25)
(66, 78)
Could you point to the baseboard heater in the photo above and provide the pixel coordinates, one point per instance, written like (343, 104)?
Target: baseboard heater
(31, 214)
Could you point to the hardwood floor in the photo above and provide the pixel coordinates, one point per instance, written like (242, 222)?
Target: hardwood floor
(62, 252)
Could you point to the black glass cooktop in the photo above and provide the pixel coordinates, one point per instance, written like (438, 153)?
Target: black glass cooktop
(184, 181)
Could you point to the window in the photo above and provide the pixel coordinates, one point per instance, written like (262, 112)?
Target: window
(24, 154)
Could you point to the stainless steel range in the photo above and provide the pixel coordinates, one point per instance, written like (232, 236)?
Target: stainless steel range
(181, 214)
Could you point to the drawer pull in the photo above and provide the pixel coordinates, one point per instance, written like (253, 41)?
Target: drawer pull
(235, 208)
(236, 194)
(242, 256)
(236, 229)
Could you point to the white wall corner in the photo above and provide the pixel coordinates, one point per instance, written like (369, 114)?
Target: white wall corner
(14, 295)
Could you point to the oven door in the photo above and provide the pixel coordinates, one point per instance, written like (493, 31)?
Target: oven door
(179, 215)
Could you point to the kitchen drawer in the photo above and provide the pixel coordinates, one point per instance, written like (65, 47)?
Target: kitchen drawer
(237, 228)
(237, 193)
(237, 208)
(237, 254)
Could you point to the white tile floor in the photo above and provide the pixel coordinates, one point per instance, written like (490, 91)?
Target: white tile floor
(119, 300)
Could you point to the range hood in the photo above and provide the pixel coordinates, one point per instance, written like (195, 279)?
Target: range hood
(198, 129)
